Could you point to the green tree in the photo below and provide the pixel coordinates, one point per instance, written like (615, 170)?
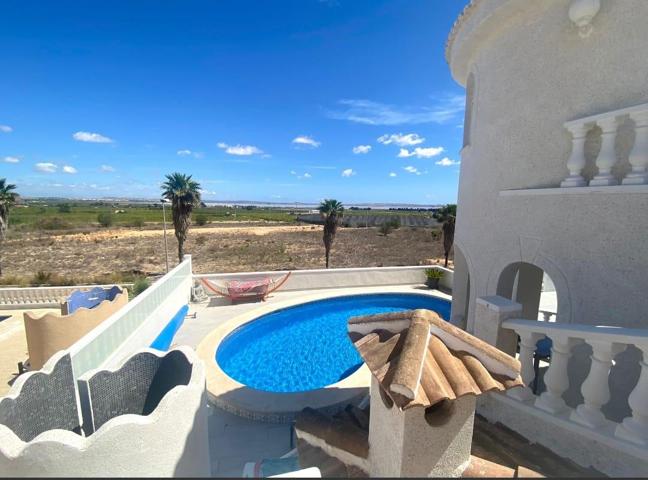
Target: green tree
(332, 212)
(184, 195)
(8, 198)
(447, 216)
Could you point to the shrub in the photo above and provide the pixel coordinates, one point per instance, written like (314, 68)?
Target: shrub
(54, 223)
(41, 278)
(64, 208)
(434, 274)
(201, 220)
(389, 226)
(140, 284)
(106, 219)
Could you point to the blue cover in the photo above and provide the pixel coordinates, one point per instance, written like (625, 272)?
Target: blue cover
(91, 298)
(165, 338)
(543, 347)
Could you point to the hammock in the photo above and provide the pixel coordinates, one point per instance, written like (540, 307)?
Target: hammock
(257, 288)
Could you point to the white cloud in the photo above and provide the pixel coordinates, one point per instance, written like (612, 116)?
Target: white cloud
(412, 170)
(307, 175)
(240, 150)
(447, 162)
(184, 153)
(369, 112)
(401, 140)
(349, 172)
(69, 169)
(305, 140)
(6, 129)
(107, 168)
(421, 152)
(292, 172)
(392, 174)
(91, 137)
(361, 149)
(11, 159)
(46, 167)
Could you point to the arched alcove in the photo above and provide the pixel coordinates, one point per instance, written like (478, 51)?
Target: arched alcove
(530, 286)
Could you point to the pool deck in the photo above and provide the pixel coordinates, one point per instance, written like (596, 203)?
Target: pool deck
(234, 440)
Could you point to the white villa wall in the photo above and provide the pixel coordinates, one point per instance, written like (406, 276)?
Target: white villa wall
(533, 72)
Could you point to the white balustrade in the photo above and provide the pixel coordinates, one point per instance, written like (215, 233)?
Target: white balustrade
(639, 155)
(528, 341)
(635, 428)
(595, 388)
(609, 123)
(576, 161)
(556, 379)
(606, 343)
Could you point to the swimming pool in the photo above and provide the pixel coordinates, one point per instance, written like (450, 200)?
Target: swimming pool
(306, 347)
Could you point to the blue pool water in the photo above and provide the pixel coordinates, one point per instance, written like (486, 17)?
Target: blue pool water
(306, 346)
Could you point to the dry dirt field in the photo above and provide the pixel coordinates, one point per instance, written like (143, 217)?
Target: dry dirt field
(223, 248)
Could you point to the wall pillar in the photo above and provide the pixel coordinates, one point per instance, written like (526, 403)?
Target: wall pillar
(490, 313)
(406, 444)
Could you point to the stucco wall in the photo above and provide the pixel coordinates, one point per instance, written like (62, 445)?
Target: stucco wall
(50, 333)
(533, 72)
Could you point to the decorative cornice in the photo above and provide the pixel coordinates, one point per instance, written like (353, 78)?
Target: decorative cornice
(463, 17)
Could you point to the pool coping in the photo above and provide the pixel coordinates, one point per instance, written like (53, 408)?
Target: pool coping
(273, 407)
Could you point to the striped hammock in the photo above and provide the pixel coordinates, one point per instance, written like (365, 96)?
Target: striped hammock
(256, 288)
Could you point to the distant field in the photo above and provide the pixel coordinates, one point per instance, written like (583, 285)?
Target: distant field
(58, 216)
(75, 215)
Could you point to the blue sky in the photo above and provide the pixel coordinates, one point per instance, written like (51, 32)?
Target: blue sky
(267, 100)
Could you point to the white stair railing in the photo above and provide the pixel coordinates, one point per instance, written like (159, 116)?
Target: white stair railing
(606, 343)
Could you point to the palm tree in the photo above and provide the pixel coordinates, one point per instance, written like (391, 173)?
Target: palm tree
(447, 215)
(332, 212)
(184, 195)
(7, 200)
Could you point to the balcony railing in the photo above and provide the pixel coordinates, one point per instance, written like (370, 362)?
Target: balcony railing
(609, 123)
(606, 344)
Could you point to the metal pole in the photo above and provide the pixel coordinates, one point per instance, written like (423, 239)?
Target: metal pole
(166, 246)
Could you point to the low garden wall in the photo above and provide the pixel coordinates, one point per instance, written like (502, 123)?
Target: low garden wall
(41, 297)
(343, 277)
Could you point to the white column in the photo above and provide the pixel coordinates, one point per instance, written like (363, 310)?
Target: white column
(595, 388)
(528, 341)
(576, 161)
(607, 155)
(556, 379)
(639, 155)
(635, 428)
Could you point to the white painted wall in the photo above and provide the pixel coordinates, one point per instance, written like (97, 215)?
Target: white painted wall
(533, 72)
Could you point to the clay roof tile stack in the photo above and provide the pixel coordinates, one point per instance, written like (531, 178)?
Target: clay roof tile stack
(421, 360)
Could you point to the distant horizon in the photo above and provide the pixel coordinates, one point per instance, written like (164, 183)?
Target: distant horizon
(289, 99)
(230, 202)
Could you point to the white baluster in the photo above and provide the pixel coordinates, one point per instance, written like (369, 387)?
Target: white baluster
(576, 161)
(635, 428)
(607, 156)
(528, 341)
(556, 379)
(639, 155)
(595, 388)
